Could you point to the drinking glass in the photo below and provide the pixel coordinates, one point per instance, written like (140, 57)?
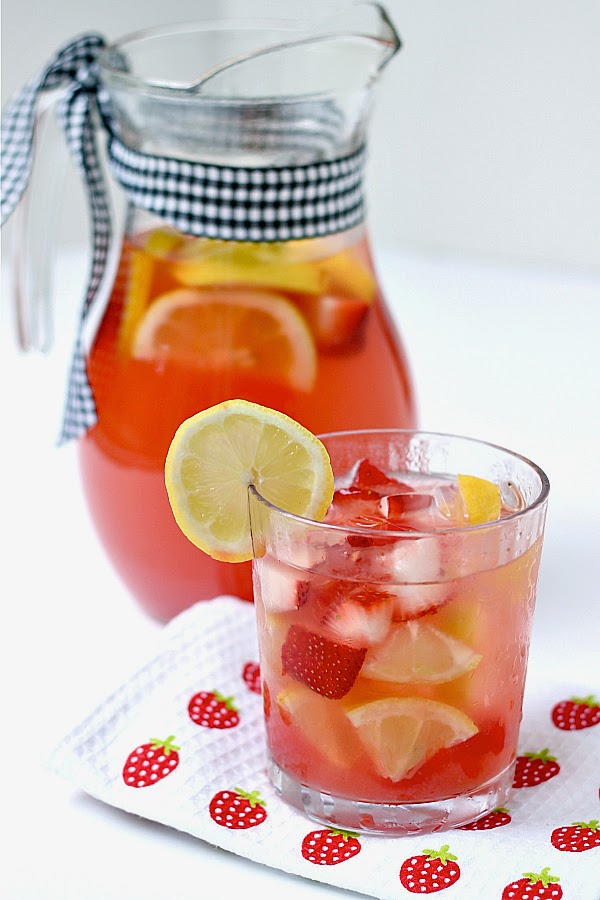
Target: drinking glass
(393, 656)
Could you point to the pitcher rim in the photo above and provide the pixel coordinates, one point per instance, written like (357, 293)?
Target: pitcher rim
(300, 27)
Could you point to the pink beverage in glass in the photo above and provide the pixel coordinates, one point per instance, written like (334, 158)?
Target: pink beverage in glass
(394, 636)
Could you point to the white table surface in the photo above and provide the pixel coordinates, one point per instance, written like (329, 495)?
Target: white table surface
(507, 354)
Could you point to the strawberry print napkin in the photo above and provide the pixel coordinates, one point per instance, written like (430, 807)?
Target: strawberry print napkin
(182, 743)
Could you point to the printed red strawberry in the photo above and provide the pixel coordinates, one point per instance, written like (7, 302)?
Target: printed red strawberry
(494, 819)
(534, 887)
(151, 762)
(434, 870)
(212, 710)
(237, 809)
(328, 668)
(359, 615)
(576, 713)
(577, 837)
(535, 768)
(330, 846)
(251, 676)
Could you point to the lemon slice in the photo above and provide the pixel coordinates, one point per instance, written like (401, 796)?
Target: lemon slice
(214, 457)
(158, 244)
(481, 498)
(294, 277)
(418, 652)
(322, 723)
(402, 733)
(230, 330)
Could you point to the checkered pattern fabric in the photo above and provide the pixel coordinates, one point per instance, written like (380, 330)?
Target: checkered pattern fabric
(278, 203)
(244, 204)
(75, 67)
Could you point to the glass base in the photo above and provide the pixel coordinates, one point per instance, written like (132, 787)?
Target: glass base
(391, 818)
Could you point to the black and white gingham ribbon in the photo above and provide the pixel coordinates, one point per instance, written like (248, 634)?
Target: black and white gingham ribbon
(205, 200)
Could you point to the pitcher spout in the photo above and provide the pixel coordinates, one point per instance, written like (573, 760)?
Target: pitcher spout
(344, 52)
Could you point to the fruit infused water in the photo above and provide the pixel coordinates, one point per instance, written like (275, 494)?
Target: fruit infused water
(300, 326)
(394, 636)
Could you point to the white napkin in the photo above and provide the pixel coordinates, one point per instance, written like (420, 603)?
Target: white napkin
(206, 649)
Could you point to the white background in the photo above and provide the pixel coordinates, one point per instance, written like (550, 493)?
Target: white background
(505, 353)
(486, 135)
(484, 190)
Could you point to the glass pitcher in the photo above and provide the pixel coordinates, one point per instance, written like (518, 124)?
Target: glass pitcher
(262, 300)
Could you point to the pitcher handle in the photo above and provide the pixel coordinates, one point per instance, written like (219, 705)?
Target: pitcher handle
(34, 236)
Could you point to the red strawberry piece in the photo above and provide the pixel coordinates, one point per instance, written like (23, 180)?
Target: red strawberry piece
(352, 498)
(494, 819)
(576, 713)
(251, 675)
(212, 710)
(360, 508)
(302, 593)
(330, 846)
(434, 870)
(328, 668)
(351, 504)
(360, 616)
(535, 768)
(369, 476)
(266, 693)
(151, 762)
(577, 837)
(237, 809)
(534, 887)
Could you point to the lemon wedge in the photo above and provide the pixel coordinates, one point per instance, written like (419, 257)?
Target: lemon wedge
(481, 498)
(416, 652)
(402, 733)
(322, 723)
(214, 457)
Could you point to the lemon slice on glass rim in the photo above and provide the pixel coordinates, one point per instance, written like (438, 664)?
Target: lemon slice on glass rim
(215, 456)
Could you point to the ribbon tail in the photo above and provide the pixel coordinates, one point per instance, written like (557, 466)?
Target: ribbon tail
(18, 121)
(80, 408)
(77, 116)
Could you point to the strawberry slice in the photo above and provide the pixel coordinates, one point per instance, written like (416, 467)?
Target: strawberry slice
(328, 668)
(369, 476)
(335, 318)
(360, 616)
(348, 504)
